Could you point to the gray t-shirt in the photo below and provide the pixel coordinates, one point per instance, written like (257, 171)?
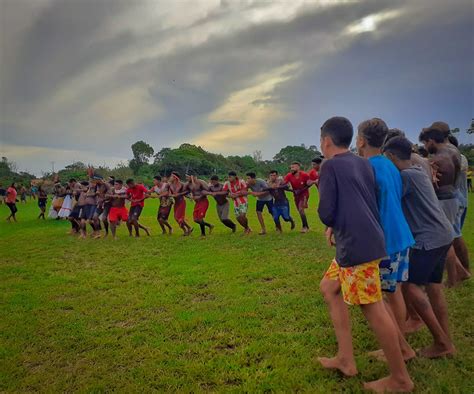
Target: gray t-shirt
(260, 186)
(428, 223)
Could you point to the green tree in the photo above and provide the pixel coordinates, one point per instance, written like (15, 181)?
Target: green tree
(301, 154)
(142, 152)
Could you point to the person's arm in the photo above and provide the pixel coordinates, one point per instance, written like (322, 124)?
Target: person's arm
(327, 196)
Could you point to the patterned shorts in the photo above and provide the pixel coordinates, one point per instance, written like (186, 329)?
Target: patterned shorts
(394, 269)
(240, 209)
(360, 284)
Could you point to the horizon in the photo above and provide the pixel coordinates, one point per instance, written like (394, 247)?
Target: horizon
(83, 81)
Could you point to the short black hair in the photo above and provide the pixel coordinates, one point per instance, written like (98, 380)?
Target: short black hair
(374, 131)
(296, 163)
(273, 172)
(129, 180)
(392, 133)
(119, 181)
(72, 180)
(214, 178)
(85, 183)
(399, 147)
(232, 173)
(317, 160)
(157, 177)
(453, 140)
(175, 173)
(423, 152)
(339, 129)
(251, 175)
(111, 177)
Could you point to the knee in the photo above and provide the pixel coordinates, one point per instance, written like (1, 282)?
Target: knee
(327, 289)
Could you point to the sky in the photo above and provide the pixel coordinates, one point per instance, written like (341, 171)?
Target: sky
(85, 79)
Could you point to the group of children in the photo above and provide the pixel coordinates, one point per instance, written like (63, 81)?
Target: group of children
(395, 220)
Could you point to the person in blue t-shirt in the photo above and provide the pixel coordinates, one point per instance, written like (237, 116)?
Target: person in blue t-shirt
(398, 236)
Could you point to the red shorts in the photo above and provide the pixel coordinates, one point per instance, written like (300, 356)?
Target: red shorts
(180, 211)
(200, 209)
(118, 213)
(301, 201)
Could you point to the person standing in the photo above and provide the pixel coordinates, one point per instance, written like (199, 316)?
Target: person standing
(118, 211)
(258, 189)
(298, 180)
(348, 203)
(161, 189)
(10, 200)
(237, 190)
(222, 203)
(197, 189)
(281, 206)
(178, 190)
(23, 194)
(137, 193)
(314, 171)
(42, 200)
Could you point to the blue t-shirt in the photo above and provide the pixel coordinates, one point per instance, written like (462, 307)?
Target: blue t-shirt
(388, 181)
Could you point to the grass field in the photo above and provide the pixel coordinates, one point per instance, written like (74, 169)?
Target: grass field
(225, 313)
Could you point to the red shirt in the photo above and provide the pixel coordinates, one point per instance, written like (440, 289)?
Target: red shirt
(137, 192)
(313, 174)
(298, 182)
(235, 187)
(11, 195)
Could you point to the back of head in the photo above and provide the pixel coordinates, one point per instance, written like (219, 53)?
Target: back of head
(374, 131)
(392, 133)
(157, 177)
(339, 129)
(317, 160)
(438, 132)
(129, 181)
(214, 178)
(232, 173)
(453, 140)
(400, 147)
(251, 175)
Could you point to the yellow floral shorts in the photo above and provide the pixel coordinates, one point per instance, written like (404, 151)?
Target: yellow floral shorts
(359, 284)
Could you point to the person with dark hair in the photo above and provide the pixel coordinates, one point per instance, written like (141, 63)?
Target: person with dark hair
(237, 190)
(348, 207)
(74, 216)
(178, 190)
(161, 189)
(137, 193)
(222, 203)
(23, 194)
(398, 238)
(42, 200)
(314, 171)
(258, 189)
(298, 180)
(197, 189)
(446, 162)
(3, 193)
(10, 200)
(433, 238)
(118, 211)
(281, 206)
(103, 205)
(88, 209)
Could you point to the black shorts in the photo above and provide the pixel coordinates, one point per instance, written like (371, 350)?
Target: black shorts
(104, 211)
(135, 212)
(13, 208)
(164, 212)
(427, 266)
(87, 212)
(75, 212)
(42, 202)
(261, 206)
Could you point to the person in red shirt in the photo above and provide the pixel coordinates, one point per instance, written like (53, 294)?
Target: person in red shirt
(298, 180)
(137, 193)
(10, 200)
(314, 171)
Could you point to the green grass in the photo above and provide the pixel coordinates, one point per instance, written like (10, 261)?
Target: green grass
(226, 313)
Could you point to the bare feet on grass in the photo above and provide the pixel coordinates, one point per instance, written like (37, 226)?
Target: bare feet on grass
(347, 368)
(391, 385)
(380, 355)
(437, 351)
(412, 326)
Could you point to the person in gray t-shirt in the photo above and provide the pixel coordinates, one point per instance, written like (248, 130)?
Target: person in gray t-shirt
(433, 238)
(264, 198)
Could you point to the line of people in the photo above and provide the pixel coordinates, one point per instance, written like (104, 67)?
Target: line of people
(395, 220)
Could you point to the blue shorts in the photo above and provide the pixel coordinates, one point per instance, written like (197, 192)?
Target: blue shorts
(88, 211)
(261, 205)
(283, 211)
(394, 269)
(76, 212)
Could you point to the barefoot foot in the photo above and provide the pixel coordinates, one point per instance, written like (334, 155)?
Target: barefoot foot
(345, 367)
(437, 351)
(389, 384)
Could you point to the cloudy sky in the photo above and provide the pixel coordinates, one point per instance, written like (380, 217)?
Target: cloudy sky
(84, 79)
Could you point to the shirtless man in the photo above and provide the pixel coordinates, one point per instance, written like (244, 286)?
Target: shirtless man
(197, 187)
(161, 189)
(222, 203)
(178, 190)
(118, 212)
(103, 204)
(446, 161)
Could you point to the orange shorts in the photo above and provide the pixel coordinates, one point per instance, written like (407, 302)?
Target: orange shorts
(118, 213)
(360, 284)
